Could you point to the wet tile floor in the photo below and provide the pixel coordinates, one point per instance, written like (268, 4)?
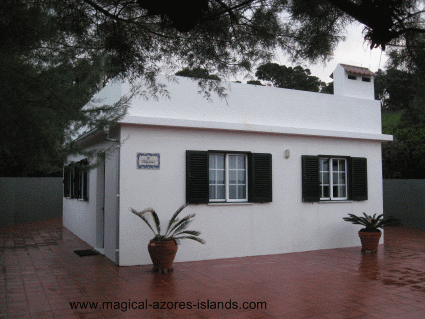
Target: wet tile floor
(40, 276)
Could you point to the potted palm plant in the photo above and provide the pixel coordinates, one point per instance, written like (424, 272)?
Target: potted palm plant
(370, 235)
(163, 248)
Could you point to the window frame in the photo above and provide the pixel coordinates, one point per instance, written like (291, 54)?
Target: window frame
(259, 180)
(331, 172)
(76, 181)
(83, 185)
(217, 200)
(356, 178)
(227, 184)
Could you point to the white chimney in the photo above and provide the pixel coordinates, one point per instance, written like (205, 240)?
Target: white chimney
(354, 81)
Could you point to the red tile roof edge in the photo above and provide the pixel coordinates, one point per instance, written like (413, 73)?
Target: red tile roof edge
(356, 70)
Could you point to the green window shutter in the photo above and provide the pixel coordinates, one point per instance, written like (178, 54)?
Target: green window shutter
(310, 178)
(260, 178)
(78, 180)
(66, 173)
(358, 178)
(197, 188)
(85, 189)
(72, 177)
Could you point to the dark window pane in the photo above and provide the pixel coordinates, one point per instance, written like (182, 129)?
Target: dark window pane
(212, 192)
(232, 191)
(241, 192)
(241, 177)
(232, 177)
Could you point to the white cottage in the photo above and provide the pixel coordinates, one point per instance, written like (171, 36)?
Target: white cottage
(269, 171)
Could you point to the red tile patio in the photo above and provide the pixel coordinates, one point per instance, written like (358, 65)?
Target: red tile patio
(41, 276)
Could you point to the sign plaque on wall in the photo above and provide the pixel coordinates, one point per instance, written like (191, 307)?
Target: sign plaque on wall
(148, 160)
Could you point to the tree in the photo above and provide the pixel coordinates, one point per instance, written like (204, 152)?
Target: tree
(41, 112)
(296, 78)
(328, 88)
(404, 157)
(395, 88)
(401, 89)
(254, 82)
(198, 73)
(133, 37)
(42, 94)
(121, 38)
(54, 53)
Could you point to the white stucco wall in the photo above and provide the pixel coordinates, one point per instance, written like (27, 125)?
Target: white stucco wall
(284, 225)
(78, 215)
(343, 86)
(82, 217)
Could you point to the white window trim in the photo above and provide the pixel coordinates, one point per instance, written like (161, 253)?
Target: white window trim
(227, 184)
(224, 199)
(226, 180)
(331, 195)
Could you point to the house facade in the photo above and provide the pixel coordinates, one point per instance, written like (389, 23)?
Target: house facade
(267, 171)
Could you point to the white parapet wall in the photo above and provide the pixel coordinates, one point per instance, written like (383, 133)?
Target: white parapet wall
(251, 108)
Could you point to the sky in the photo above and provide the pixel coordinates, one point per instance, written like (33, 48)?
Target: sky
(353, 51)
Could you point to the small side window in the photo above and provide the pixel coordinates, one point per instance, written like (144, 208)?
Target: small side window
(75, 180)
(365, 79)
(66, 181)
(352, 77)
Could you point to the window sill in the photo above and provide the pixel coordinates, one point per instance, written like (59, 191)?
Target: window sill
(230, 204)
(334, 201)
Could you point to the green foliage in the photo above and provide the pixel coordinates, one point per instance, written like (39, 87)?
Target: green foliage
(395, 88)
(317, 25)
(372, 223)
(391, 119)
(54, 53)
(176, 228)
(402, 92)
(37, 106)
(327, 88)
(405, 157)
(296, 78)
(198, 73)
(254, 82)
(386, 22)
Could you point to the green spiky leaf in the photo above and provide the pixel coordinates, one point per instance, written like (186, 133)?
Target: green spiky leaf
(174, 218)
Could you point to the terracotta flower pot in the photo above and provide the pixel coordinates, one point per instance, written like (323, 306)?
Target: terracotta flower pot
(370, 240)
(162, 254)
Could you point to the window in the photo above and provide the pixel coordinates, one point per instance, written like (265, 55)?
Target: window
(352, 77)
(365, 79)
(223, 176)
(75, 180)
(227, 178)
(333, 178)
